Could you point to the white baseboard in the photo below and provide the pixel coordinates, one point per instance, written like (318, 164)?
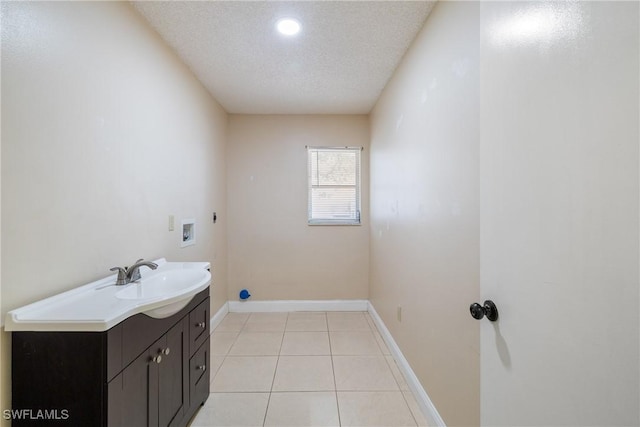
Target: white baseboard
(287, 306)
(426, 405)
(217, 318)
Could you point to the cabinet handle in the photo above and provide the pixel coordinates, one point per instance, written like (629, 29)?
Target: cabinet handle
(157, 359)
(166, 351)
(201, 325)
(202, 368)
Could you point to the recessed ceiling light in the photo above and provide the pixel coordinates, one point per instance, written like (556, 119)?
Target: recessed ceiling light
(288, 26)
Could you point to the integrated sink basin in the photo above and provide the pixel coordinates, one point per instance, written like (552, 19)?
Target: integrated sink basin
(100, 305)
(164, 284)
(180, 284)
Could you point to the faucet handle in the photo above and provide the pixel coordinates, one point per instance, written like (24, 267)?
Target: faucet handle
(122, 275)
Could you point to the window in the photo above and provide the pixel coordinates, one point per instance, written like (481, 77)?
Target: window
(334, 185)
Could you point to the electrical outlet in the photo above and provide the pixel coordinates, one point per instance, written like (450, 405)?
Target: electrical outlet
(399, 313)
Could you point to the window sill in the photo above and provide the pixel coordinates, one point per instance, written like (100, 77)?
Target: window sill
(321, 222)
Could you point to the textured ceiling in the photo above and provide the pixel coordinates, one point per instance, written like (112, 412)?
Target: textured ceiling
(338, 64)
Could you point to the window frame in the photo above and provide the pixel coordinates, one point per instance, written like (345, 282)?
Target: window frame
(358, 187)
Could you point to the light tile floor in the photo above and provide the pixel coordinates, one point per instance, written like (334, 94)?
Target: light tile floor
(304, 369)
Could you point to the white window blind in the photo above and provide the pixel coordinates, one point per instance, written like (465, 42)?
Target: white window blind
(334, 185)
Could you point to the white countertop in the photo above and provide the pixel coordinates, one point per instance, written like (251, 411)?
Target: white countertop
(94, 306)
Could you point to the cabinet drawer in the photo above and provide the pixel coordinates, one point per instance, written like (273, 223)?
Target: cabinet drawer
(199, 375)
(199, 326)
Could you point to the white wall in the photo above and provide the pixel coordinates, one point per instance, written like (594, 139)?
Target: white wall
(424, 209)
(559, 220)
(104, 134)
(272, 250)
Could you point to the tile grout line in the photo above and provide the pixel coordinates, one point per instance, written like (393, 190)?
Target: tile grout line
(400, 387)
(333, 370)
(236, 338)
(224, 356)
(273, 380)
(212, 375)
(374, 330)
(415, 420)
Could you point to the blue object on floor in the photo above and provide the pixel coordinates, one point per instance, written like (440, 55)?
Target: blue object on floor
(244, 294)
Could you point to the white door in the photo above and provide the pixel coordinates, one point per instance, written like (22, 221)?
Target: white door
(559, 213)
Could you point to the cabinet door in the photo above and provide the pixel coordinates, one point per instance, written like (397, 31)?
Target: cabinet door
(133, 394)
(172, 376)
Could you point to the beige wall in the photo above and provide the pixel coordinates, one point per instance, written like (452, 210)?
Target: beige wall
(104, 134)
(272, 250)
(425, 212)
(559, 219)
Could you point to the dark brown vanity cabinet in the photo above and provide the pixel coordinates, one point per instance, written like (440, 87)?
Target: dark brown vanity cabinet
(143, 372)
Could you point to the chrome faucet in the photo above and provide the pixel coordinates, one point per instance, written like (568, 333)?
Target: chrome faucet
(131, 274)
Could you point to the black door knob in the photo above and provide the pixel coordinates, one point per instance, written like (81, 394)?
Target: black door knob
(489, 309)
(477, 311)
